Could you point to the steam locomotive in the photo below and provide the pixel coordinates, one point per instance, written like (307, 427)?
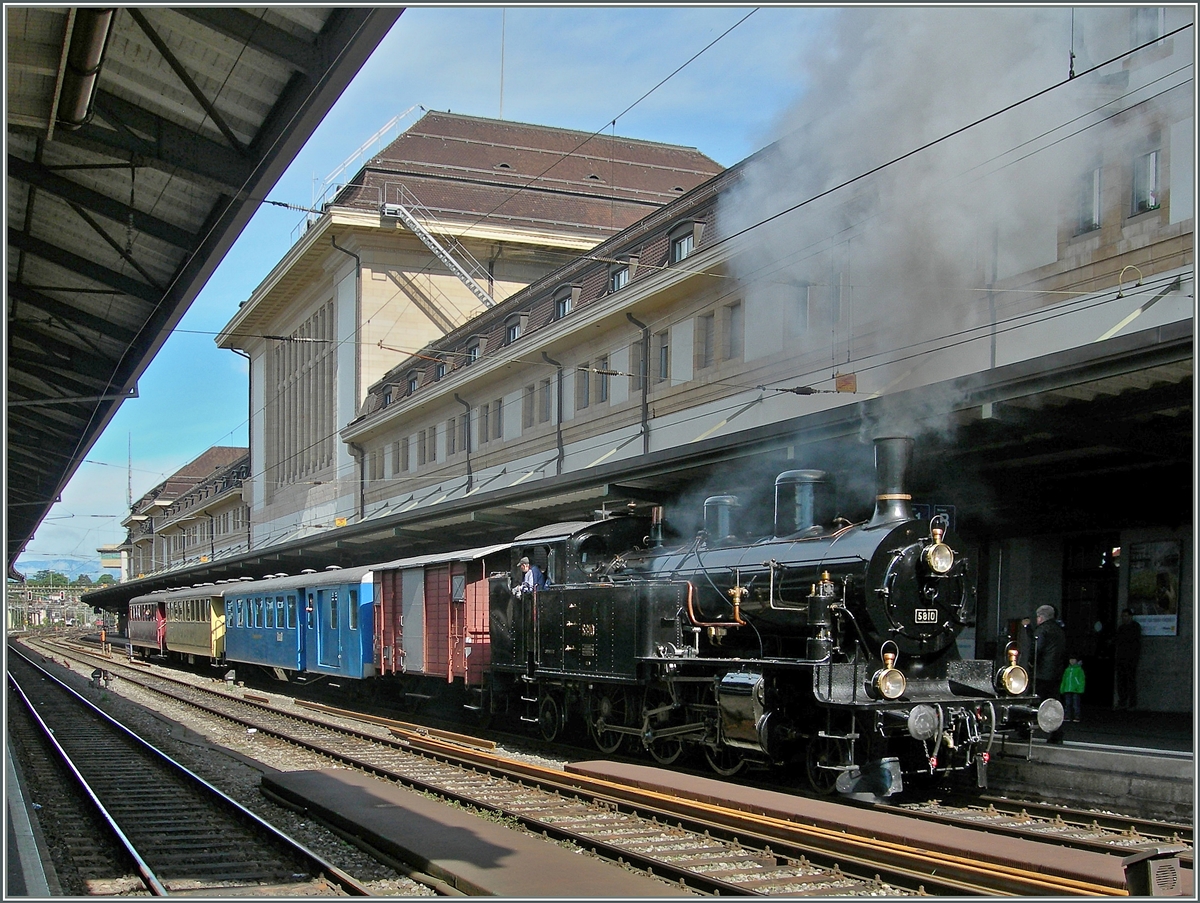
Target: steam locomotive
(828, 645)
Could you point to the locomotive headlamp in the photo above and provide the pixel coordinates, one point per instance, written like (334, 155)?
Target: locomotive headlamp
(939, 557)
(889, 681)
(1012, 679)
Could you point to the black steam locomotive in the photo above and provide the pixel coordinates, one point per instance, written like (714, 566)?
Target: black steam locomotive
(828, 646)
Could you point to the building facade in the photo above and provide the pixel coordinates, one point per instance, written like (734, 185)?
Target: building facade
(196, 515)
(454, 216)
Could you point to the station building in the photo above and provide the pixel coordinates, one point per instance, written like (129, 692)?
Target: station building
(452, 218)
(1024, 310)
(195, 516)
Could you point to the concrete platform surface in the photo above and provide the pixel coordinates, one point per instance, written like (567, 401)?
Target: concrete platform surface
(472, 854)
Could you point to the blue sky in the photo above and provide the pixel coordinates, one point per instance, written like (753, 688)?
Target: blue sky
(571, 67)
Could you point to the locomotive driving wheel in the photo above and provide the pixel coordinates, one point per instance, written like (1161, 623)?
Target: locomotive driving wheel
(549, 718)
(724, 761)
(657, 715)
(824, 756)
(608, 707)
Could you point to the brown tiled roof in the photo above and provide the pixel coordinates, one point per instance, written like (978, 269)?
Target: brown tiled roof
(214, 459)
(464, 168)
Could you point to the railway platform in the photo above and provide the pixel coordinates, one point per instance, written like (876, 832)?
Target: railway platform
(1138, 762)
(469, 853)
(29, 871)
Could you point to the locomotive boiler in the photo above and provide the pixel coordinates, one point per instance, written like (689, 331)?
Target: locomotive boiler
(828, 647)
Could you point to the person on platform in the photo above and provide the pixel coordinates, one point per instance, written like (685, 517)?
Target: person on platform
(532, 578)
(1073, 682)
(1049, 659)
(1126, 652)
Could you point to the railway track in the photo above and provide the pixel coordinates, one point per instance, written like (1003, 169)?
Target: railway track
(1078, 829)
(712, 850)
(175, 832)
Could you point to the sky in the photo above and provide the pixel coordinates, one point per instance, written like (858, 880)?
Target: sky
(651, 69)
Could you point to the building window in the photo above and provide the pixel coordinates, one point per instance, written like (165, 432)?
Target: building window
(1145, 182)
(432, 443)
(682, 246)
(618, 278)
(439, 370)
(705, 338)
(637, 366)
(734, 331)
(450, 436)
(484, 424)
(375, 465)
(414, 380)
(405, 461)
(1149, 24)
(545, 394)
(472, 352)
(512, 330)
(663, 345)
(562, 305)
(301, 379)
(798, 311)
(602, 379)
(1089, 202)
(498, 419)
(396, 462)
(387, 396)
(420, 448)
(528, 406)
(583, 385)
(464, 430)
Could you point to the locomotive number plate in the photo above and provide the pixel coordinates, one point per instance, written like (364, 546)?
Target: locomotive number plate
(925, 615)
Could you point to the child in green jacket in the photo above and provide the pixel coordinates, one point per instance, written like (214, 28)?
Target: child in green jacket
(1072, 690)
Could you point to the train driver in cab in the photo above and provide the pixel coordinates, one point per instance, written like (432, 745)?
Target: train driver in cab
(532, 578)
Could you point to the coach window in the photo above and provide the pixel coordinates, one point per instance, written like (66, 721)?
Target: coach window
(270, 614)
(279, 612)
(291, 608)
(241, 612)
(353, 613)
(333, 610)
(312, 617)
(258, 613)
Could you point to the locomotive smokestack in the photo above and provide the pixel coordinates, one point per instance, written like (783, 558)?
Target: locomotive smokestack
(893, 460)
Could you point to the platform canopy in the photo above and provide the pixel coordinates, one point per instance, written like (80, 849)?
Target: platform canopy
(140, 141)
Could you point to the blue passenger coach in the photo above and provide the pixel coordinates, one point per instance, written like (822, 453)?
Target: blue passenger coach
(313, 623)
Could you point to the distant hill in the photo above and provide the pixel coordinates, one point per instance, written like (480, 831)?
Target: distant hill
(72, 567)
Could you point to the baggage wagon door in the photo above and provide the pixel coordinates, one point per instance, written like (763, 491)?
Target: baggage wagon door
(329, 629)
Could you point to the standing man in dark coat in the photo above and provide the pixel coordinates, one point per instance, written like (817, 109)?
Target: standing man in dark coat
(1127, 651)
(1049, 659)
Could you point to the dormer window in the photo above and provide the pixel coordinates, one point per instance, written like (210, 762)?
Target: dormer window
(414, 380)
(514, 327)
(684, 238)
(618, 277)
(439, 369)
(473, 352)
(387, 396)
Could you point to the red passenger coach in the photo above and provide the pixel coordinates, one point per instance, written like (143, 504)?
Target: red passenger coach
(147, 627)
(431, 614)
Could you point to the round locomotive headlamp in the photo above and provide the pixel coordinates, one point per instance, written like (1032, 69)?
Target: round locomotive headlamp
(1013, 680)
(939, 557)
(889, 681)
